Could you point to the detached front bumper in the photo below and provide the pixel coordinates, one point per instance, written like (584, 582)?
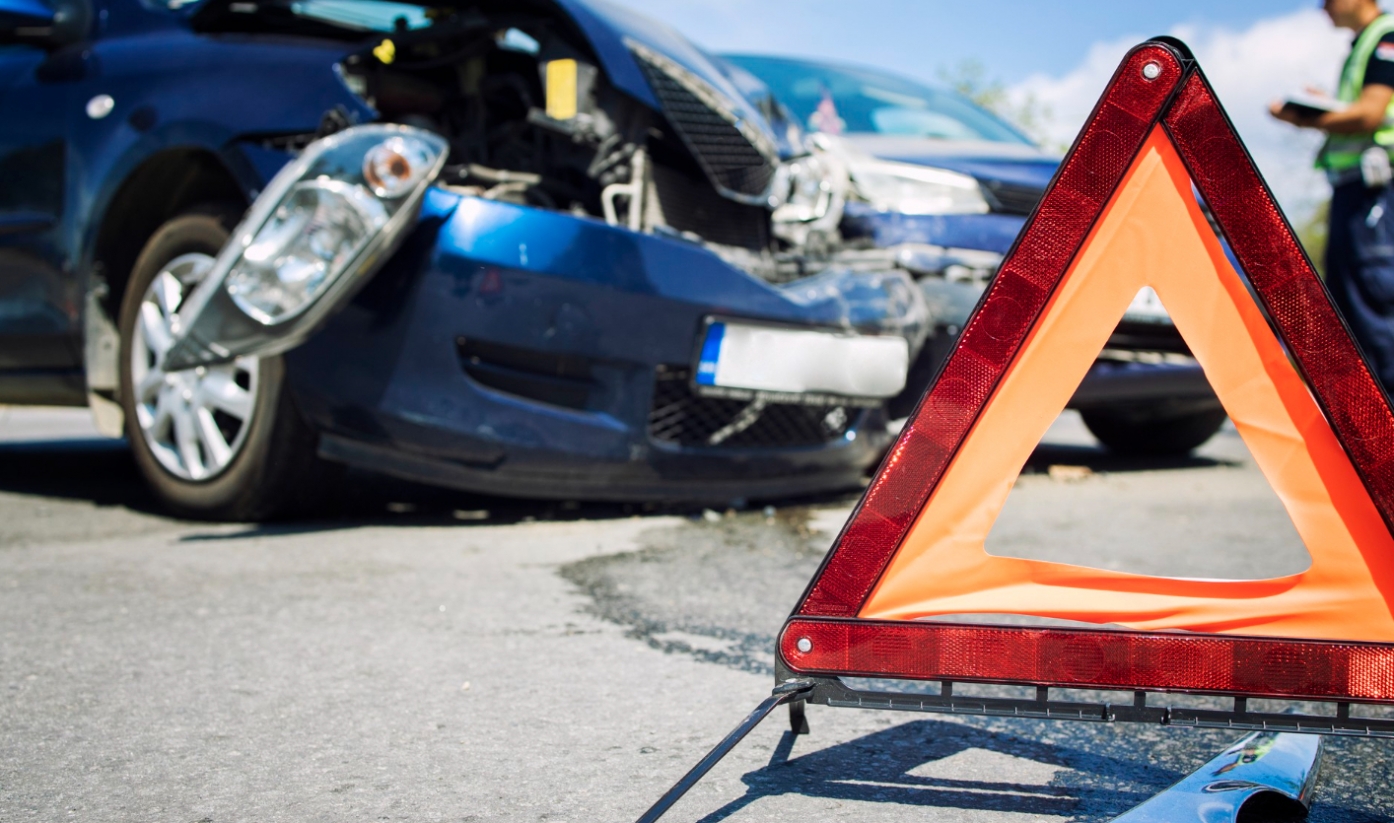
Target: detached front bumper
(510, 350)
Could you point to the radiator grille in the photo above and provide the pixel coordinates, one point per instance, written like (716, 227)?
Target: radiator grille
(681, 418)
(687, 203)
(736, 158)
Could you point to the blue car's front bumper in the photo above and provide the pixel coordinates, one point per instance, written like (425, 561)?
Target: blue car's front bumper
(519, 351)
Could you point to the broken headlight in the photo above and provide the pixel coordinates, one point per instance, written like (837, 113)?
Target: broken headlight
(911, 189)
(813, 189)
(324, 223)
(312, 237)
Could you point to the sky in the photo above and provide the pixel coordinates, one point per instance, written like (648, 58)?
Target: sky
(1058, 54)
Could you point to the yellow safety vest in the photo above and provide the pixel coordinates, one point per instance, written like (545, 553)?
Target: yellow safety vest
(1341, 152)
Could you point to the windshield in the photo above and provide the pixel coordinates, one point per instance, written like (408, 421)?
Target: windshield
(373, 15)
(840, 100)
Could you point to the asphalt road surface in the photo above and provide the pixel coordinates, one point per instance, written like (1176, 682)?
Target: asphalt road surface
(439, 657)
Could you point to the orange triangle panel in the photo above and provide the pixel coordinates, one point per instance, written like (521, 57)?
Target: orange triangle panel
(1121, 215)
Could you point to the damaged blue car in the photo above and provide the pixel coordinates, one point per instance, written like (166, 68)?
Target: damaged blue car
(545, 248)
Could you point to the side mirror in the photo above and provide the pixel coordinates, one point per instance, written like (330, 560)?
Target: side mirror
(46, 24)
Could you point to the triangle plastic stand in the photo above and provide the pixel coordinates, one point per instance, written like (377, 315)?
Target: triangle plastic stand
(1122, 213)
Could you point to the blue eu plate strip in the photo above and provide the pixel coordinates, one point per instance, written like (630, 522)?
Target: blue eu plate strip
(711, 353)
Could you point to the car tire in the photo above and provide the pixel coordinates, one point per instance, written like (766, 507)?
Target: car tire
(1136, 432)
(256, 466)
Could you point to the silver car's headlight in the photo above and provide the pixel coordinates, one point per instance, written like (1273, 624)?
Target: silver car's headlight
(911, 189)
(324, 223)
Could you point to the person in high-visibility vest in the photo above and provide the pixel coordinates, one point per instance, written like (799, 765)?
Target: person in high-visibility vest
(1356, 159)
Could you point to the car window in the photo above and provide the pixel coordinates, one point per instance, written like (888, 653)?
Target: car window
(837, 100)
(370, 15)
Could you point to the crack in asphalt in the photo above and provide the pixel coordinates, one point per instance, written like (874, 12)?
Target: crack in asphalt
(718, 588)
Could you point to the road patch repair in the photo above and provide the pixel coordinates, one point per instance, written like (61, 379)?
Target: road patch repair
(1122, 215)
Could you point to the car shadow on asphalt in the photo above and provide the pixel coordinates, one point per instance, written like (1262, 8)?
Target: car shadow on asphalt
(98, 470)
(374, 500)
(101, 471)
(1098, 459)
(910, 764)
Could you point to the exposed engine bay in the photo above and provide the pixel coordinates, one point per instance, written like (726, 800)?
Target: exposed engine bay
(531, 118)
(546, 129)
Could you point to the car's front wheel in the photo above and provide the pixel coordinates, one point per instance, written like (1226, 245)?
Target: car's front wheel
(221, 442)
(1153, 432)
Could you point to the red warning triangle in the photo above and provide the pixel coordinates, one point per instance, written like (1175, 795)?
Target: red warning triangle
(1121, 214)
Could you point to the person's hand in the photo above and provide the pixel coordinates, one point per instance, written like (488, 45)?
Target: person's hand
(1282, 112)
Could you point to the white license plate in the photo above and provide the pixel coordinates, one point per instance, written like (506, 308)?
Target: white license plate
(770, 359)
(1147, 308)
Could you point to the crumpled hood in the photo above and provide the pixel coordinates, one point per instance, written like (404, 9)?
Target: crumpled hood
(608, 27)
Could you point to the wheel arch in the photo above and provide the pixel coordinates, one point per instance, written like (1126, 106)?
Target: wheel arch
(165, 184)
(162, 186)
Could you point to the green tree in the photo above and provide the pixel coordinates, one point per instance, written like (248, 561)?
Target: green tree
(970, 78)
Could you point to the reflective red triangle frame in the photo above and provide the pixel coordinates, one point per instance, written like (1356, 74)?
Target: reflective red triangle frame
(1300, 310)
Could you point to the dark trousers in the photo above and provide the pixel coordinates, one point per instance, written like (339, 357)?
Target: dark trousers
(1360, 270)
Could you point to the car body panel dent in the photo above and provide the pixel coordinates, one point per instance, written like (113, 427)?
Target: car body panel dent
(625, 303)
(489, 233)
(639, 283)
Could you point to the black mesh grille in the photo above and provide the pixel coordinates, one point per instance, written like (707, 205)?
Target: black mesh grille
(730, 160)
(681, 418)
(688, 203)
(1010, 198)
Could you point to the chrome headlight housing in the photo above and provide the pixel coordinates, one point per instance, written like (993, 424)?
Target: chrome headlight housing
(809, 194)
(911, 189)
(323, 225)
(310, 240)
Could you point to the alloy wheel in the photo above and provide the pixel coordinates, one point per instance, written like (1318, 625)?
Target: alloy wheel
(194, 421)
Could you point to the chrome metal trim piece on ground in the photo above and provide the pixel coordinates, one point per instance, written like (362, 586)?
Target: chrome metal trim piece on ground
(1263, 767)
(1276, 768)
